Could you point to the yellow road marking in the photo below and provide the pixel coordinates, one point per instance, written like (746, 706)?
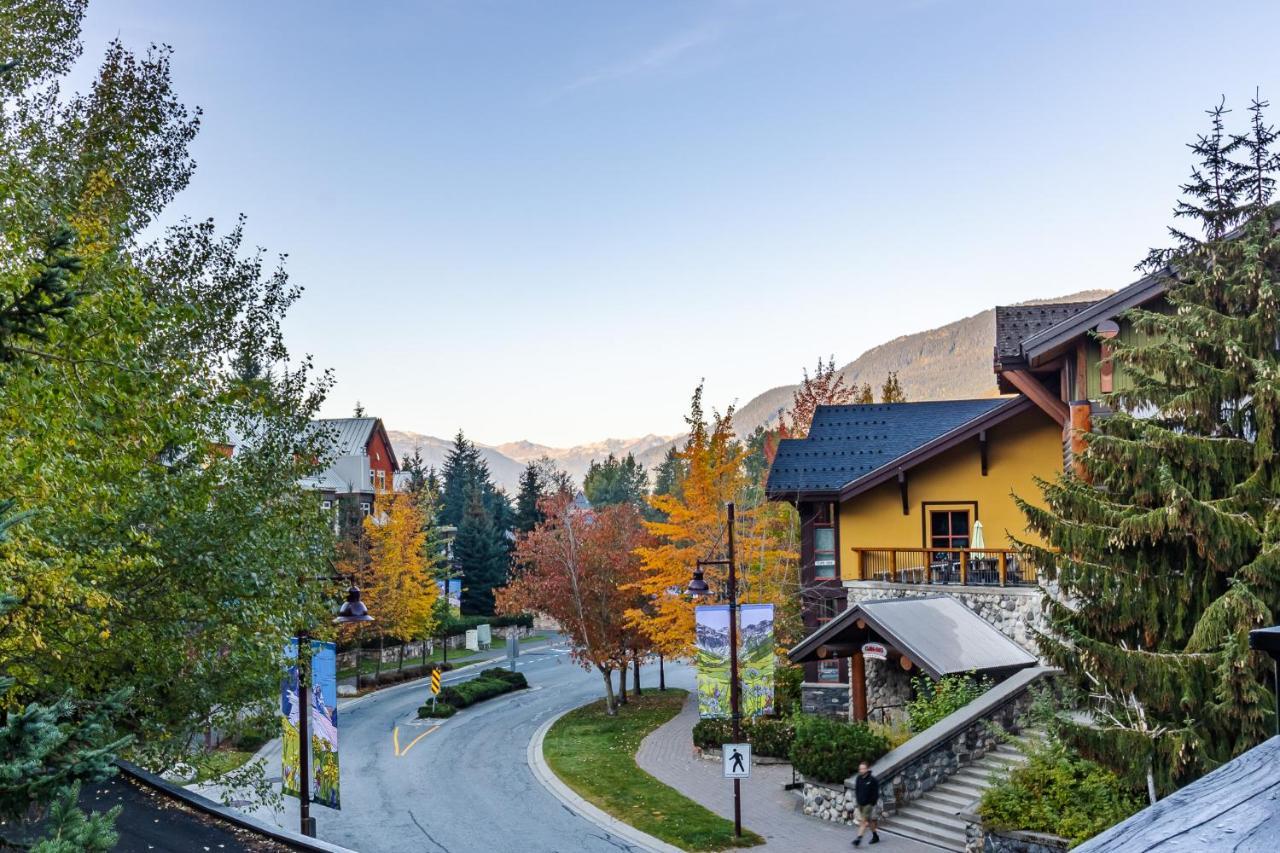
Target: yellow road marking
(395, 739)
(418, 738)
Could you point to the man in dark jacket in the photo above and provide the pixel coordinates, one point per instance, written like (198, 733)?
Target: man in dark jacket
(866, 791)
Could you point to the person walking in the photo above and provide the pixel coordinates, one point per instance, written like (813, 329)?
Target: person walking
(866, 792)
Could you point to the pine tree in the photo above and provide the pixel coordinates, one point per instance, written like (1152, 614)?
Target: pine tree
(616, 481)
(891, 391)
(480, 555)
(527, 512)
(1165, 551)
(864, 395)
(463, 470)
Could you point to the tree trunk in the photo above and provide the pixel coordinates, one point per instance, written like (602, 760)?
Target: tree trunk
(1151, 784)
(400, 662)
(635, 671)
(622, 683)
(662, 675)
(424, 652)
(377, 667)
(610, 703)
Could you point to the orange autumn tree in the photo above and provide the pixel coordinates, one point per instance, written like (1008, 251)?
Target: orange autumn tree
(397, 584)
(692, 527)
(578, 566)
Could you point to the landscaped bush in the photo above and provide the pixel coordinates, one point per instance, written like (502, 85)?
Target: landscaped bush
(768, 736)
(936, 699)
(786, 690)
(1060, 793)
(895, 733)
(515, 678)
(829, 750)
(479, 689)
(440, 711)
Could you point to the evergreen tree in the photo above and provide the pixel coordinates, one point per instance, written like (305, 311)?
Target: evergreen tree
(891, 391)
(1165, 549)
(864, 395)
(480, 556)
(616, 481)
(528, 515)
(358, 412)
(463, 470)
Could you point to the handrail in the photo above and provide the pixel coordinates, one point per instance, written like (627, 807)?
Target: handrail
(992, 566)
(957, 721)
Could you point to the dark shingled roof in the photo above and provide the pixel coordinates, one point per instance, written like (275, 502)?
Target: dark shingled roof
(847, 442)
(1016, 323)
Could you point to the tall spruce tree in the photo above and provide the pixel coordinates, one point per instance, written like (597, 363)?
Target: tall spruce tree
(616, 481)
(1165, 549)
(527, 514)
(480, 555)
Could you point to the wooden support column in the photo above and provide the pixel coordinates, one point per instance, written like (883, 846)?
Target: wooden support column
(1040, 395)
(982, 449)
(1081, 426)
(858, 686)
(902, 487)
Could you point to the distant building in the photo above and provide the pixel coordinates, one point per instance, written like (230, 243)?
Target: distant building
(362, 465)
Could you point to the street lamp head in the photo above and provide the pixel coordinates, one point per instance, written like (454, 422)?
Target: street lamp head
(353, 609)
(698, 587)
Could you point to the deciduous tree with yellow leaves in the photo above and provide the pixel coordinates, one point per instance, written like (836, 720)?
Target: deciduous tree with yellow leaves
(398, 585)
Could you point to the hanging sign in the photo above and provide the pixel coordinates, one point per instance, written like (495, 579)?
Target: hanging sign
(755, 659)
(874, 651)
(324, 725)
(289, 745)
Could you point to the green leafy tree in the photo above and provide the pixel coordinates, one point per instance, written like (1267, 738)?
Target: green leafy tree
(616, 481)
(1166, 550)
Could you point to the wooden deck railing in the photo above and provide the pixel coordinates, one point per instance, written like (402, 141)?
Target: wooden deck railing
(941, 566)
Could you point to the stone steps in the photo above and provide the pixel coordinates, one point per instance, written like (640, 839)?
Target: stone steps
(932, 818)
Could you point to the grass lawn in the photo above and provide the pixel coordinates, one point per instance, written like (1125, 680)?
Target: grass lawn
(212, 765)
(595, 755)
(368, 666)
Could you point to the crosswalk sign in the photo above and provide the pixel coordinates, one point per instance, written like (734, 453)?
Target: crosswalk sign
(737, 760)
(435, 682)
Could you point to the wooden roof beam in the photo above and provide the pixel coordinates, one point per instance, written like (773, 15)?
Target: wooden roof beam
(1035, 391)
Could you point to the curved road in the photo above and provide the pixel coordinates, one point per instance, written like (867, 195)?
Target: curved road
(463, 785)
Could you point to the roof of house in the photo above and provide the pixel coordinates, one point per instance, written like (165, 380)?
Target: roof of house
(351, 436)
(937, 632)
(1016, 323)
(1235, 807)
(851, 448)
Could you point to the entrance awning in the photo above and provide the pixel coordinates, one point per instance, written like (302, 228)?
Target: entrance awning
(937, 633)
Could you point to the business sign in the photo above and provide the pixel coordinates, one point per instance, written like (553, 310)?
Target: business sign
(737, 760)
(874, 651)
(755, 659)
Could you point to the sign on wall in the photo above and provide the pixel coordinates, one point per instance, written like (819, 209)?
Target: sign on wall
(755, 659)
(875, 651)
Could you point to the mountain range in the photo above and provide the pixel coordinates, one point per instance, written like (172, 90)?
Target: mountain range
(949, 362)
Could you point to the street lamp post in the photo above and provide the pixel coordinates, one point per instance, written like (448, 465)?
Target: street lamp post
(352, 612)
(699, 587)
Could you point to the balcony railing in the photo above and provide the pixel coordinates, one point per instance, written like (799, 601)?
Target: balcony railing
(942, 566)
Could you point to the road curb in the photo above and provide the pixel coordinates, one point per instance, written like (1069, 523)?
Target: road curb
(576, 804)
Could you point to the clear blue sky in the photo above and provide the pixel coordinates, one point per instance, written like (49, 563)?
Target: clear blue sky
(548, 220)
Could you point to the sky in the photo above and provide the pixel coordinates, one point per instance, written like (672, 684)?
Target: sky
(549, 221)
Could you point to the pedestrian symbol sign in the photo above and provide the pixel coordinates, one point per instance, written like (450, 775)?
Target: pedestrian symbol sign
(435, 682)
(737, 760)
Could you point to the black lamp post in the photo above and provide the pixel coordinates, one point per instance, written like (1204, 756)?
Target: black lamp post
(352, 611)
(698, 587)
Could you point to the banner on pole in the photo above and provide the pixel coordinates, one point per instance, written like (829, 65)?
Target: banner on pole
(324, 724)
(755, 659)
(452, 591)
(289, 723)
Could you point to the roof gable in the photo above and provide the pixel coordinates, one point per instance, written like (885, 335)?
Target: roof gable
(847, 444)
(1017, 323)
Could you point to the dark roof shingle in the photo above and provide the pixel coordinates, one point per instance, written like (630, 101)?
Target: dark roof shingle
(1016, 323)
(847, 442)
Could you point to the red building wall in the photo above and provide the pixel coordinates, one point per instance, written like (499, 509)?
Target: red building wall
(381, 459)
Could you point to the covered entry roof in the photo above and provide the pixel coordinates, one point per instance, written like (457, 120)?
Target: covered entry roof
(938, 633)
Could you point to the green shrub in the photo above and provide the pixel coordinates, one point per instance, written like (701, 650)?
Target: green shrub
(786, 690)
(1060, 793)
(895, 733)
(829, 750)
(514, 678)
(440, 711)
(768, 736)
(936, 699)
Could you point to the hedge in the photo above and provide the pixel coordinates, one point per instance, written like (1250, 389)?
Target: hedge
(490, 683)
(768, 736)
(395, 676)
(440, 711)
(830, 750)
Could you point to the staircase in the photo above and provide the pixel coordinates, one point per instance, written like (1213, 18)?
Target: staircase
(932, 818)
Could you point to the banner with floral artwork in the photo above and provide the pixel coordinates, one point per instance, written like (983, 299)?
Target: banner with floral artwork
(289, 723)
(755, 659)
(324, 724)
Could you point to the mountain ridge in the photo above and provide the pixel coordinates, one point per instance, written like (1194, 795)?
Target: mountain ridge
(952, 361)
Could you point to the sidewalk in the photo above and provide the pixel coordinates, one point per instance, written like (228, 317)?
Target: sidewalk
(767, 809)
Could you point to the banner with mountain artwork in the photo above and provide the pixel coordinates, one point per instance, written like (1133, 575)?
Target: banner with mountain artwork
(289, 723)
(324, 724)
(755, 659)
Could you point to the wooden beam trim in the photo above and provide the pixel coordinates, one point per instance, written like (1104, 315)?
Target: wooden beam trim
(902, 487)
(982, 449)
(1038, 394)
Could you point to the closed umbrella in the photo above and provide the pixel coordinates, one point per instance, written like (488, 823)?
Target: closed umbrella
(977, 543)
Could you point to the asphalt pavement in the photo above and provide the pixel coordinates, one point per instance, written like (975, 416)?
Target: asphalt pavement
(461, 785)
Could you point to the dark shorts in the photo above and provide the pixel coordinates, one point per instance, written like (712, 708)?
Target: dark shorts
(868, 813)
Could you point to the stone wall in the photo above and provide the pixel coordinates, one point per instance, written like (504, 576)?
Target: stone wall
(829, 700)
(888, 691)
(834, 804)
(976, 840)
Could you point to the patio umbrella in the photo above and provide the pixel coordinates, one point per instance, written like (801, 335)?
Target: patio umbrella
(977, 543)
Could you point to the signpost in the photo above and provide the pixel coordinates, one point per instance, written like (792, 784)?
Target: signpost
(435, 687)
(513, 650)
(737, 760)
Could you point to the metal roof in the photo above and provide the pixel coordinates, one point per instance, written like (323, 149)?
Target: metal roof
(848, 443)
(350, 435)
(937, 632)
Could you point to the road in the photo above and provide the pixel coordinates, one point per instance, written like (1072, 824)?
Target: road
(462, 785)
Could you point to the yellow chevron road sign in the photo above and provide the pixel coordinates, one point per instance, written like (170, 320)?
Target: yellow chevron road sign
(435, 681)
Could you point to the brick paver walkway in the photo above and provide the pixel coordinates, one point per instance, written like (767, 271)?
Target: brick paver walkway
(767, 808)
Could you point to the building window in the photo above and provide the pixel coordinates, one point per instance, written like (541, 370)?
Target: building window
(824, 543)
(366, 508)
(949, 528)
(382, 480)
(326, 504)
(828, 671)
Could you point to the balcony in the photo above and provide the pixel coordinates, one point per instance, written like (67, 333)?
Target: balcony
(942, 566)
